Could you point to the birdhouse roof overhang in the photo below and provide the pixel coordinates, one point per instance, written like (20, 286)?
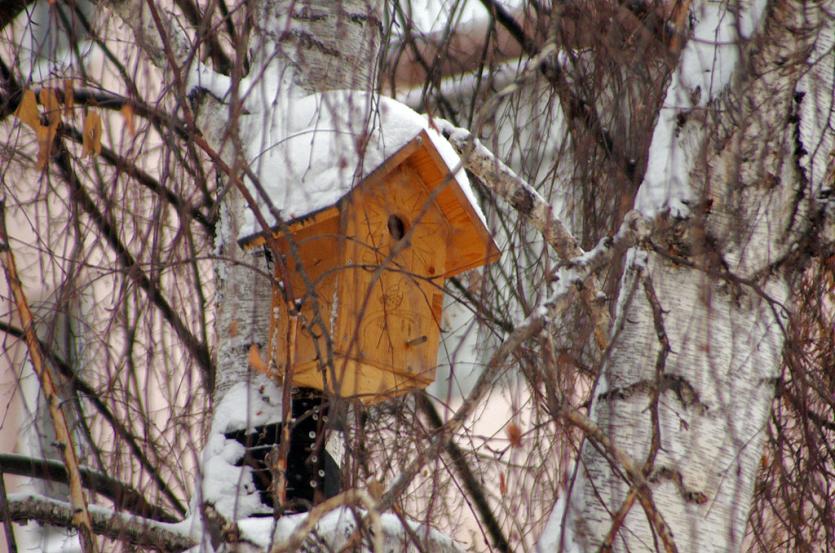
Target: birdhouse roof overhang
(470, 244)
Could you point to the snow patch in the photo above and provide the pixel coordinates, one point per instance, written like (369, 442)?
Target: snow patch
(336, 528)
(555, 532)
(248, 404)
(201, 76)
(228, 487)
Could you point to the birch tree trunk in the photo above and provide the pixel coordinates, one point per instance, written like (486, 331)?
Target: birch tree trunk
(687, 386)
(313, 46)
(302, 47)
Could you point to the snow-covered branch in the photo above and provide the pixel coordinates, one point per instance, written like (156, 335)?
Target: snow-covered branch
(80, 518)
(523, 197)
(120, 493)
(118, 526)
(345, 499)
(573, 277)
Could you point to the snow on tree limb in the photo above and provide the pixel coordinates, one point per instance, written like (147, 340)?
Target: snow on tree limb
(123, 495)
(502, 180)
(570, 278)
(717, 348)
(346, 498)
(335, 525)
(118, 526)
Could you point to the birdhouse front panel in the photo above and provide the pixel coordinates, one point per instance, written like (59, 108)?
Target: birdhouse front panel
(393, 291)
(366, 280)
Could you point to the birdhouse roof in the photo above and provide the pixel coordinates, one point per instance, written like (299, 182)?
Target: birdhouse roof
(329, 143)
(311, 154)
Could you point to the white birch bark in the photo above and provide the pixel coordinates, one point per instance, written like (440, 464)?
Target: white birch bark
(722, 294)
(305, 47)
(314, 46)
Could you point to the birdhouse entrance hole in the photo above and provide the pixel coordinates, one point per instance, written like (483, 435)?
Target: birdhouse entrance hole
(396, 227)
(367, 321)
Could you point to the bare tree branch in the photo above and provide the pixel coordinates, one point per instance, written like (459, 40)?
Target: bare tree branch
(11, 9)
(506, 184)
(198, 350)
(202, 22)
(471, 484)
(123, 496)
(7, 519)
(94, 397)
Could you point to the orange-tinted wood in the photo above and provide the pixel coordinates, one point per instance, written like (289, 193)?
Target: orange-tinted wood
(313, 282)
(294, 226)
(367, 278)
(391, 296)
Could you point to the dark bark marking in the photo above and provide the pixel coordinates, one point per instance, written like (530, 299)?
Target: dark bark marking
(306, 40)
(523, 201)
(674, 476)
(687, 395)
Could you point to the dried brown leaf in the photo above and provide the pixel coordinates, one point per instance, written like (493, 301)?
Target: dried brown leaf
(69, 98)
(514, 435)
(127, 115)
(51, 106)
(91, 140)
(27, 110)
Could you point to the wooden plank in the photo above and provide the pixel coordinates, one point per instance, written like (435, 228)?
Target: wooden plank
(255, 240)
(386, 317)
(356, 379)
(319, 255)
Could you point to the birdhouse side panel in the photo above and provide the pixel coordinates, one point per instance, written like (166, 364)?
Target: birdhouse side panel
(302, 337)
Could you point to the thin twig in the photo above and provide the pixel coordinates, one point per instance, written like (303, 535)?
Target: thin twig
(81, 516)
(347, 498)
(618, 519)
(631, 231)
(471, 484)
(506, 184)
(633, 471)
(655, 443)
(93, 396)
(198, 350)
(530, 327)
(207, 32)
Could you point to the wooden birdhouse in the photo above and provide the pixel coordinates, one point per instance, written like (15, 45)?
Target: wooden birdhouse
(365, 277)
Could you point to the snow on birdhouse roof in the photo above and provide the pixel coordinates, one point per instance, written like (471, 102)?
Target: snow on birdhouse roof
(314, 150)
